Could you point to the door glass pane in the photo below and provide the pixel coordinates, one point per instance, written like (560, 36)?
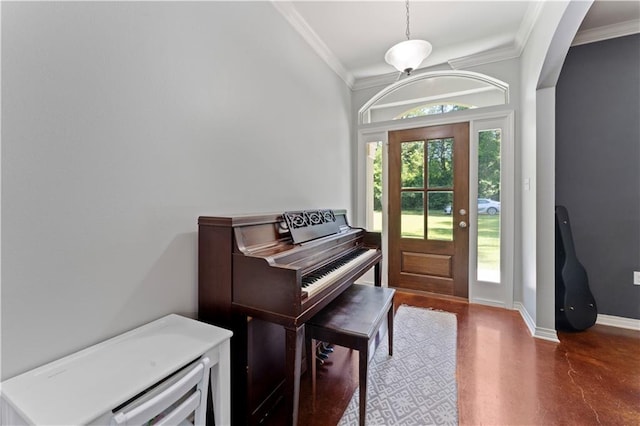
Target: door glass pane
(489, 205)
(440, 219)
(412, 157)
(412, 214)
(440, 165)
(374, 186)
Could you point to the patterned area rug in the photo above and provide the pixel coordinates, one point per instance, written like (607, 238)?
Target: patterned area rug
(417, 385)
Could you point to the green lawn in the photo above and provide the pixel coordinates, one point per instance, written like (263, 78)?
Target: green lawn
(440, 228)
(488, 243)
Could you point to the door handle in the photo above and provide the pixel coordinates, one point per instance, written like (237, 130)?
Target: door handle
(462, 224)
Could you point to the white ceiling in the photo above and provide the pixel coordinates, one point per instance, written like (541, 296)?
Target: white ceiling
(353, 36)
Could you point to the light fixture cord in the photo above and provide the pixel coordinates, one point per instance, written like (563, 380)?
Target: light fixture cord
(408, 33)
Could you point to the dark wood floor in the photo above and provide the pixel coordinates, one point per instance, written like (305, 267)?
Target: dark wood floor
(507, 377)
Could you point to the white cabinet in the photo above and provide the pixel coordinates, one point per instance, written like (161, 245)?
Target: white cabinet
(122, 372)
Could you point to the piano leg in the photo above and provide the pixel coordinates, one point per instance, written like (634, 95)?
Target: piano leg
(294, 338)
(377, 274)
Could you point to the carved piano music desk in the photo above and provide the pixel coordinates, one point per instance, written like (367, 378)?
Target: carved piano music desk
(264, 276)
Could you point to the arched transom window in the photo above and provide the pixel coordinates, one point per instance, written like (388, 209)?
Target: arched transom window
(434, 93)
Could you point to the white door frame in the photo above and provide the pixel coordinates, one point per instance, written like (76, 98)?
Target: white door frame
(489, 293)
(491, 117)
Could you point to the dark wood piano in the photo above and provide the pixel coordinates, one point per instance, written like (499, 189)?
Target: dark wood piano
(263, 276)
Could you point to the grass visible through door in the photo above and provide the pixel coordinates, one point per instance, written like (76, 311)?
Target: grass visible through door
(440, 225)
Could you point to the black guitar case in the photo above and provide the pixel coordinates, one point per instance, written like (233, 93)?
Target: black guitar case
(575, 306)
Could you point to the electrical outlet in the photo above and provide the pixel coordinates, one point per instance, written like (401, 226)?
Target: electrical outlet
(636, 277)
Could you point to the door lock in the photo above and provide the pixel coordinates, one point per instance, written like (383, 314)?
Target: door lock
(462, 224)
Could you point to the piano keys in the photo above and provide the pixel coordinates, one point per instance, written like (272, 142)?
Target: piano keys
(263, 276)
(316, 281)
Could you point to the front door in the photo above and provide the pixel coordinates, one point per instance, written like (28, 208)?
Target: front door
(429, 209)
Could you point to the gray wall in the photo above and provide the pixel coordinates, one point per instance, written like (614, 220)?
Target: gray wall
(598, 166)
(121, 124)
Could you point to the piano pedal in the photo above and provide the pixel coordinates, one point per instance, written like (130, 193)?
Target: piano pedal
(327, 353)
(322, 351)
(321, 356)
(326, 347)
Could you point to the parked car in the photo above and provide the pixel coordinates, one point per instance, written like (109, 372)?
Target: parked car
(488, 206)
(485, 205)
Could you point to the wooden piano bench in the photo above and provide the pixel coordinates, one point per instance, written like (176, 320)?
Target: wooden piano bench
(352, 320)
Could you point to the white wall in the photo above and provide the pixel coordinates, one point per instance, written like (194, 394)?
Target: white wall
(542, 61)
(121, 124)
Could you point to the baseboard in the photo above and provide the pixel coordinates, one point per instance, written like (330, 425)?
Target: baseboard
(552, 335)
(537, 332)
(526, 317)
(488, 302)
(621, 322)
(549, 334)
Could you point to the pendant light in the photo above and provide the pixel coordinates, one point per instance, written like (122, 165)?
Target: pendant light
(409, 54)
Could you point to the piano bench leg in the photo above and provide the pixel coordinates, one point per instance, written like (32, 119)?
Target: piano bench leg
(314, 369)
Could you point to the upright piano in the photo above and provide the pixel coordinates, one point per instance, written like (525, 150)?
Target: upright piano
(263, 277)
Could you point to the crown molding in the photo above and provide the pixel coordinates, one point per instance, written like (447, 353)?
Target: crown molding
(506, 52)
(486, 57)
(302, 27)
(528, 22)
(394, 77)
(607, 32)
(376, 80)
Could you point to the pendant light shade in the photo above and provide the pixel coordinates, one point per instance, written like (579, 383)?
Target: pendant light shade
(408, 55)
